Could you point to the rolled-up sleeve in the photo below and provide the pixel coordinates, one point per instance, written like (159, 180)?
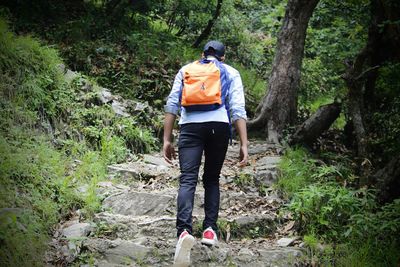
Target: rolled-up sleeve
(173, 103)
(236, 96)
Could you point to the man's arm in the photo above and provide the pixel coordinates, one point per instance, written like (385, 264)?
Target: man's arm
(240, 125)
(168, 148)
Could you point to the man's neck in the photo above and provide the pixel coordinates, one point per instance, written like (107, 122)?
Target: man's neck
(211, 58)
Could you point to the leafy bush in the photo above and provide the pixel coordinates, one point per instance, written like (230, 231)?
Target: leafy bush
(39, 185)
(372, 238)
(34, 196)
(33, 70)
(324, 209)
(295, 168)
(362, 234)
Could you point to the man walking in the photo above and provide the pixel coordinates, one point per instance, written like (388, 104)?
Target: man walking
(209, 94)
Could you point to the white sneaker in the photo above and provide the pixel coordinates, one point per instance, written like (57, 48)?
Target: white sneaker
(182, 251)
(209, 237)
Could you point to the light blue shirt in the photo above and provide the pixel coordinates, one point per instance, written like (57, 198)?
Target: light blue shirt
(235, 100)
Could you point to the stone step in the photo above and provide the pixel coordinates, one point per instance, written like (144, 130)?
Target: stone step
(160, 252)
(132, 227)
(153, 167)
(128, 227)
(135, 203)
(141, 170)
(163, 203)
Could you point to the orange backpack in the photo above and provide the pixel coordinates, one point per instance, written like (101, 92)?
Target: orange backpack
(204, 85)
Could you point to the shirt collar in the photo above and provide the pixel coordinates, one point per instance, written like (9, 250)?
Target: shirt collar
(211, 58)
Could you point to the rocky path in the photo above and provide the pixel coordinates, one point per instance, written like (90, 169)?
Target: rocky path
(137, 224)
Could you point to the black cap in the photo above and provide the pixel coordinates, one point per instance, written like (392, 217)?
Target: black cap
(217, 47)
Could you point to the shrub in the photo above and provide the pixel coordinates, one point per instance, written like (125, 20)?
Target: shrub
(324, 209)
(33, 197)
(295, 168)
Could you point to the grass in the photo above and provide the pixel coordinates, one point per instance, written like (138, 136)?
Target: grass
(295, 171)
(39, 182)
(353, 229)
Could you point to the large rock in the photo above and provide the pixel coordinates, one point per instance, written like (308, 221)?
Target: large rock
(70, 75)
(108, 188)
(105, 96)
(77, 230)
(141, 170)
(244, 254)
(260, 148)
(139, 203)
(265, 177)
(119, 108)
(156, 160)
(266, 171)
(286, 241)
(118, 251)
(133, 227)
(268, 162)
(280, 256)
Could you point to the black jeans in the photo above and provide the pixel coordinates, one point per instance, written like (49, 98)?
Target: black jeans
(212, 138)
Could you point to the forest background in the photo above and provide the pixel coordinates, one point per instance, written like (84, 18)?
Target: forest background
(56, 136)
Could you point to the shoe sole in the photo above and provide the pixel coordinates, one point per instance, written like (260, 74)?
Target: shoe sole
(208, 242)
(184, 253)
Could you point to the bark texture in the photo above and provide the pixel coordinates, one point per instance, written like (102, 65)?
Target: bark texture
(388, 181)
(360, 75)
(279, 106)
(320, 121)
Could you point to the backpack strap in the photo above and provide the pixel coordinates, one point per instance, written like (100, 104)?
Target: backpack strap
(225, 82)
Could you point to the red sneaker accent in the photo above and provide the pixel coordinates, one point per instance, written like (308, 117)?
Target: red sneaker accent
(183, 234)
(209, 237)
(208, 234)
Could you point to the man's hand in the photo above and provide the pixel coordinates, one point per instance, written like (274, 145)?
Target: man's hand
(240, 125)
(168, 148)
(243, 155)
(169, 152)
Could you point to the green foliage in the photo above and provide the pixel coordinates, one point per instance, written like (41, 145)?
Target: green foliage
(296, 168)
(378, 226)
(142, 68)
(113, 149)
(323, 209)
(319, 85)
(364, 234)
(366, 253)
(337, 31)
(254, 87)
(39, 185)
(22, 240)
(244, 34)
(137, 138)
(36, 173)
(373, 238)
(385, 120)
(185, 17)
(243, 180)
(32, 70)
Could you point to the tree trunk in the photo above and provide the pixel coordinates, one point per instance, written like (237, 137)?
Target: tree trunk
(388, 181)
(355, 85)
(207, 30)
(386, 34)
(279, 106)
(356, 74)
(319, 122)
